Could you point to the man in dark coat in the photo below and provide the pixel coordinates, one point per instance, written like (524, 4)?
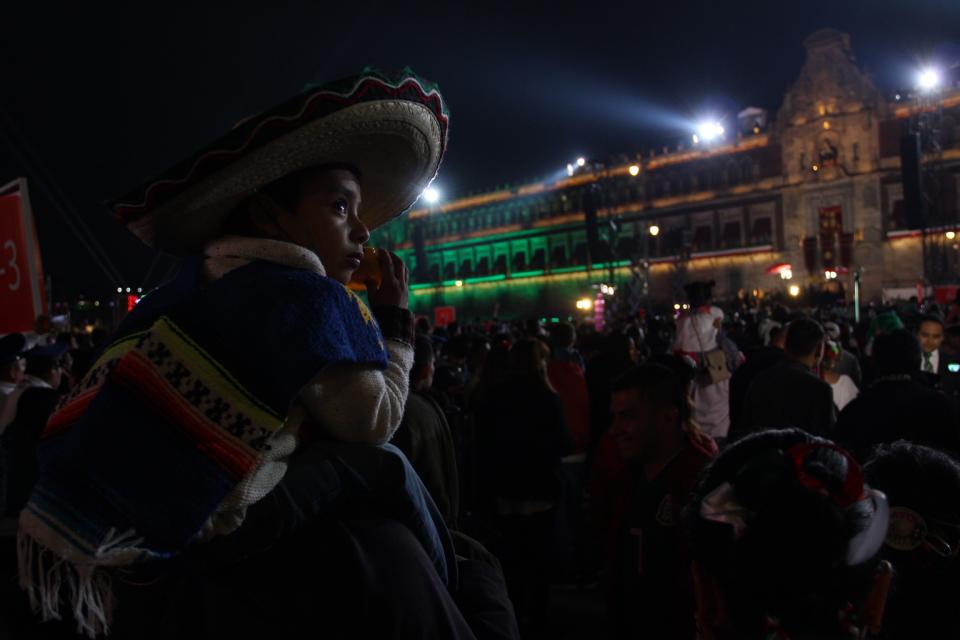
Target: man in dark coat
(424, 436)
(790, 394)
(896, 406)
(758, 360)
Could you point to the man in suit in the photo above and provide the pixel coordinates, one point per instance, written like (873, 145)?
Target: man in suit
(942, 370)
(790, 394)
(898, 407)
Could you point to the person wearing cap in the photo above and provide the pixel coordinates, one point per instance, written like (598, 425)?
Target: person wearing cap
(42, 369)
(234, 383)
(12, 365)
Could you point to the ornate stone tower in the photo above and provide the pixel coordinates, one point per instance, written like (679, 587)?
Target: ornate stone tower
(828, 128)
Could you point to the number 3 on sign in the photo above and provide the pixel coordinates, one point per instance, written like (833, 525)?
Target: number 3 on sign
(12, 264)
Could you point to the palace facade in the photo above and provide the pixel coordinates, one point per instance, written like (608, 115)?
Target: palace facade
(815, 191)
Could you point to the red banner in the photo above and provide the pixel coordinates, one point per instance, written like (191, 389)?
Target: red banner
(831, 225)
(442, 316)
(22, 295)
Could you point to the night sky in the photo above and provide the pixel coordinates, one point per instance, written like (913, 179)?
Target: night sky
(105, 94)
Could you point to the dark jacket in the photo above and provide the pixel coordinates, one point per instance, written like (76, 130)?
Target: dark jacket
(524, 435)
(424, 436)
(789, 395)
(757, 361)
(899, 409)
(19, 444)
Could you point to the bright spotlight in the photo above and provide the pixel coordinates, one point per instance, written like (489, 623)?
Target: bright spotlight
(654, 230)
(584, 304)
(458, 283)
(119, 289)
(794, 291)
(581, 161)
(634, 170)
(951, 235)
(709, 131)
(431, 195)
(928, 79)
(676, 306)
(569, 169)
(786, 274)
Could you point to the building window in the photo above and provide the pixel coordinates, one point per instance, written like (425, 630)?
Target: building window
(579, 254)
(703, 238)
(558, 257)
(762, 231)
(731, 237)
(626, 247)
(539, 260)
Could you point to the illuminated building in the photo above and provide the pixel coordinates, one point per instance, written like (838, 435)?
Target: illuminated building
(817, 188)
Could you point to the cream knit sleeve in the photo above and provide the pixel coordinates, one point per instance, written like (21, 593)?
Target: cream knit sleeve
(361, 403)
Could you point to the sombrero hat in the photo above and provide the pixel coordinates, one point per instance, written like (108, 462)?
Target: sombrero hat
(392, 128)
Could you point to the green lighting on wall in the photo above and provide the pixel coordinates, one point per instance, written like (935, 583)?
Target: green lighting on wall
(527, 274)
(493, 278)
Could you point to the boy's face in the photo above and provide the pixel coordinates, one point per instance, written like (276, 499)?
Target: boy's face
(325, 219)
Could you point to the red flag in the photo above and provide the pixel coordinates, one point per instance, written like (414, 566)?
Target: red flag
(22, 295)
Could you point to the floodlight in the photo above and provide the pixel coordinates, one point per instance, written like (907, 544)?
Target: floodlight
(431, 195)
(928, 79)
(708, 131)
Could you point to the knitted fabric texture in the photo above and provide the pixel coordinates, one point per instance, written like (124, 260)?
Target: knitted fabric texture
(175, 417)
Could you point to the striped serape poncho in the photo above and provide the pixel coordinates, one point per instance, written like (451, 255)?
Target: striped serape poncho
(174, 414)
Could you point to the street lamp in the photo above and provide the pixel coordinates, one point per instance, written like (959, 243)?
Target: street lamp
(634, 170)
(653, 230)
(581, 161)
(584, 304)
(794, 291)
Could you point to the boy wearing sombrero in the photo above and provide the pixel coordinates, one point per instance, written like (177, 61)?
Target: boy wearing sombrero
(192, 413)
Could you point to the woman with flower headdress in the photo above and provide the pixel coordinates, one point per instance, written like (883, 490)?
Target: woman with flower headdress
(843, 386)
(699, 337)
(236, 402)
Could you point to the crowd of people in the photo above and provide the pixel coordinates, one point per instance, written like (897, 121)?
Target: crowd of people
(258, 450)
